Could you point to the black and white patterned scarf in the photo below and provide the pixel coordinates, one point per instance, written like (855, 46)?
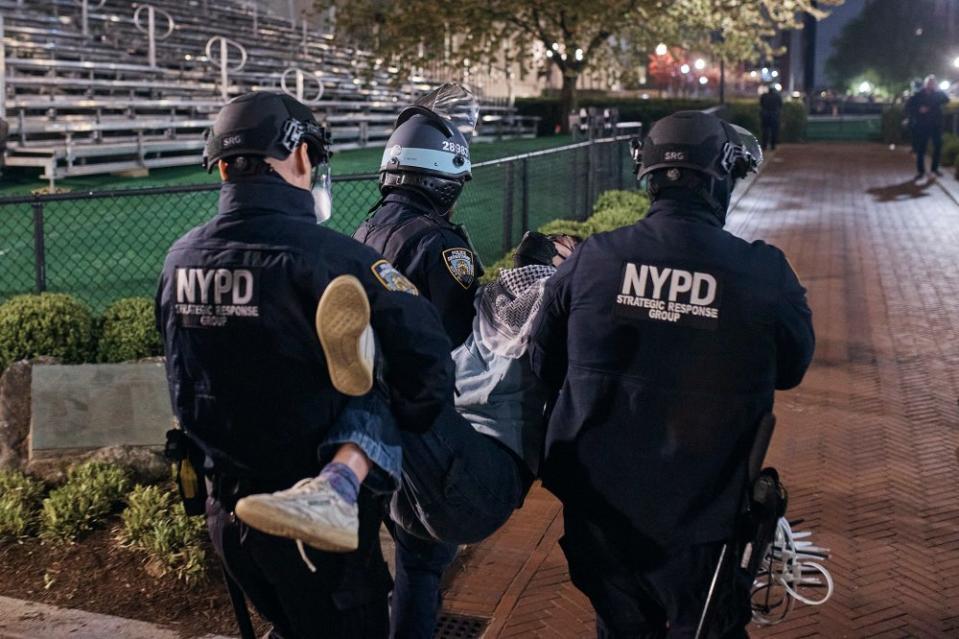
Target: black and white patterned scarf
(507, 306)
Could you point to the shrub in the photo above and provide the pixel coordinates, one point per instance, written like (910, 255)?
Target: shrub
(156, 524)
(613, 209)
(621, 200)
(567, 227)
(91, 492)
(19, 504)
(610, 219)
(128, 331)
(745, 113)
(950, 149)
(54, 324)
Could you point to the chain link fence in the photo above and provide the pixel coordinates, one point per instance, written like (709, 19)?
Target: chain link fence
(105, 245)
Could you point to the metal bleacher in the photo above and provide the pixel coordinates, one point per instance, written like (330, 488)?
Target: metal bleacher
(93, 96)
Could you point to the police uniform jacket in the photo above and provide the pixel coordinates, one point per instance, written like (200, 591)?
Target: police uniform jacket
(925, 109)
(435, 254)
(236, 306)
(665, 341)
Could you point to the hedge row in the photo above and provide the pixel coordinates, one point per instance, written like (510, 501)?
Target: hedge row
(745, 113)
(612, 210)
(153, 521)
(59, 325)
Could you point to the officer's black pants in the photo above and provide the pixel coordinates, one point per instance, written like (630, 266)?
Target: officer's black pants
(640, 596)
(922, 136)
(345, 598)
(770, 131)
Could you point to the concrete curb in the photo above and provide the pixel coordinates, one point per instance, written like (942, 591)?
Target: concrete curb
(950, 186)
(30, 620)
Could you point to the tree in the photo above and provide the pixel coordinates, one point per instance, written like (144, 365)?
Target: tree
(890, 43)
(574, 36)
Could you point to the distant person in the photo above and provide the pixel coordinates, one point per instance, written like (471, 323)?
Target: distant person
(924, 109)
(770, 106)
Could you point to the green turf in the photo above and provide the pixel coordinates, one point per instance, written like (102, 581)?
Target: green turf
(106, 249)
(359, 161)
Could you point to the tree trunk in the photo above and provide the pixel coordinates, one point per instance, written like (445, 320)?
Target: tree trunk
(568, 101)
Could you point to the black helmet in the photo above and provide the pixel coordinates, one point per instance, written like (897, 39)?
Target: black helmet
(428, 152)
(265, 124)
(699, 151)
(702, 142)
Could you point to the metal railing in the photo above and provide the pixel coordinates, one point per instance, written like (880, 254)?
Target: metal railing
(106, 245)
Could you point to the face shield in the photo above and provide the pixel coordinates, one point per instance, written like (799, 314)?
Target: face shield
(322, 190)
(456, 104)
(753, 150)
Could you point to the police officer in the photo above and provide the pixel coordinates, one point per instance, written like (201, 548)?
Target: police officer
(248, 379)
(425, 165)
(664, 342)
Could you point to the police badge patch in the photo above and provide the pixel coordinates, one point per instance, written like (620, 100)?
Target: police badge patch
(459, 262)
(391, 279)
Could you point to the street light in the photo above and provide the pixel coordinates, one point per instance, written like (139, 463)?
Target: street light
(955, 63)
(700, 64)
(661, 49)
(944, 85)
(865, 87)
(703, 80)
(684, 69)
(775, 74)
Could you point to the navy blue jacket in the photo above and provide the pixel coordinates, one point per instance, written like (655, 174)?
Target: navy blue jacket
(433, 253)
(665, 341)
(236, 305)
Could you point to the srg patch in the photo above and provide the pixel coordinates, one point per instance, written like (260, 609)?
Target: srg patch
(391, 279)
(461, 265)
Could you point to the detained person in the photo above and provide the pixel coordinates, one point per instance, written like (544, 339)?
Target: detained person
(461, 481)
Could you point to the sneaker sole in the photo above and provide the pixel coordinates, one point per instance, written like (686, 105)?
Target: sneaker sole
(341, 317)
(276, 522)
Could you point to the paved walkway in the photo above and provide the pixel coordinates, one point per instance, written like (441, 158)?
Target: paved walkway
(31, 620)
(867, 446)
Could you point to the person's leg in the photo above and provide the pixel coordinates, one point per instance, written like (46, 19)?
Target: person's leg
(774, 134)
(922, 139)
(764, 132)
(682, 583)
(417, 598)
(458, 485)
(226, 537)
(347, 594)
(598, 557)
(936, 135)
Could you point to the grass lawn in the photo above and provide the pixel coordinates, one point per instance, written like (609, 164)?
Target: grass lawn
(106, 249)
(22, 181)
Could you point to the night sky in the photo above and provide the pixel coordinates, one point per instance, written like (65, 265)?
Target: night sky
(828, 30)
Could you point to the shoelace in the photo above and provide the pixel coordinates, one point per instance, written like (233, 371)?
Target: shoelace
(790, 564)
(299, 542)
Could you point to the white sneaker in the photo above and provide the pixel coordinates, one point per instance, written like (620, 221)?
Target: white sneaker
(311, 512)
(343, 326)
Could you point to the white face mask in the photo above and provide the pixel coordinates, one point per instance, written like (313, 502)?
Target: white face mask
(322, 193)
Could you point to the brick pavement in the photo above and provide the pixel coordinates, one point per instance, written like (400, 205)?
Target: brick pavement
(867, 445)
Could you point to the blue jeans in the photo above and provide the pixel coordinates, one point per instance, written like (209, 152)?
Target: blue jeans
(457, 486)
(362, 422)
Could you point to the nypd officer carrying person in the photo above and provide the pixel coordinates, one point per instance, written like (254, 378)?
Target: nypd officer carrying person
(425, 165)
(239, 304)
(664, 343)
